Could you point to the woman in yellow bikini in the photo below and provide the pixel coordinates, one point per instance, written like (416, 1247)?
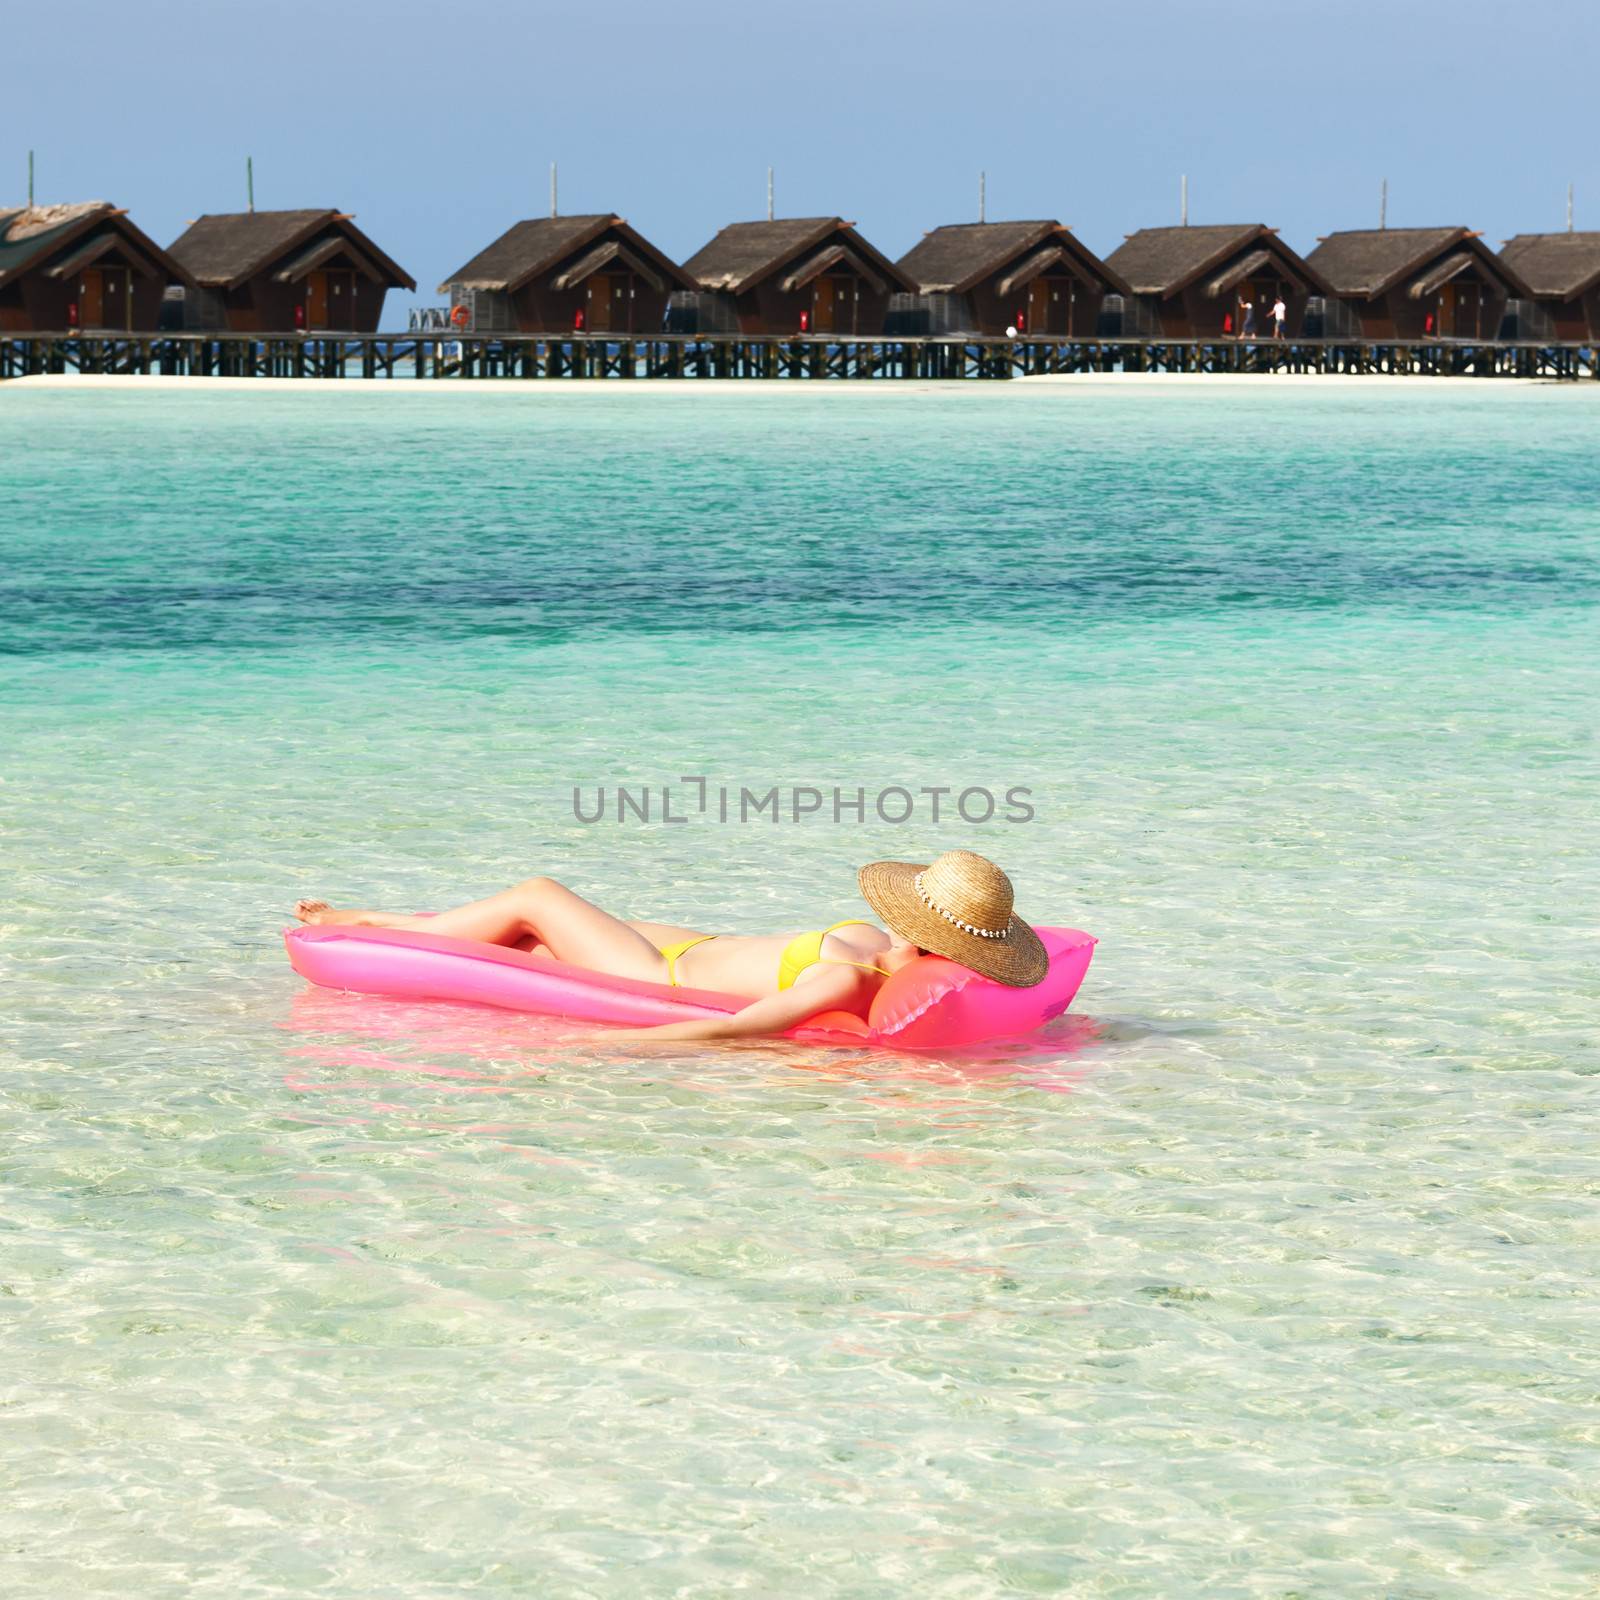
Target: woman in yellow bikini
(958, 906)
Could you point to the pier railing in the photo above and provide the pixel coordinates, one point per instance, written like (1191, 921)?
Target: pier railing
(428, 356)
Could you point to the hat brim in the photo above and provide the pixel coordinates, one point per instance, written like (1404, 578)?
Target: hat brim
(1019, 960)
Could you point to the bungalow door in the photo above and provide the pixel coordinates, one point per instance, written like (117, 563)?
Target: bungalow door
(1264, 294)
(1036, 314)
(608, 302)
(341, 316)
(91, 299)
(835, 303)
(316, 300)
(824, 311)
(1049, 310)
(116, 298)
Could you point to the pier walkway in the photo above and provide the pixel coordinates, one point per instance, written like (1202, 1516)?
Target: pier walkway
(427, 356)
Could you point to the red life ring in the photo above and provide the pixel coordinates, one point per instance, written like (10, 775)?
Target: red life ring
(459, 316)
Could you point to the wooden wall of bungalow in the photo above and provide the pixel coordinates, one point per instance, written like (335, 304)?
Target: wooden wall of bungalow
(1035, 277)
(284, 272)
(72, 268)
(1417, 283)
(1561, 272)
(1190, 282)
(798, 275)
(590, 274)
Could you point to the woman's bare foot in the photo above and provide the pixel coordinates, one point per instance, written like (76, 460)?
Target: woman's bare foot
(318, 913)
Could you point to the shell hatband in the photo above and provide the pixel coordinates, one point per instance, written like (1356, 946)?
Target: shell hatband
(955, 921)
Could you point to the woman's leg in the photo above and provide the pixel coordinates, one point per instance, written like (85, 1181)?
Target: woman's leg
(538, 909)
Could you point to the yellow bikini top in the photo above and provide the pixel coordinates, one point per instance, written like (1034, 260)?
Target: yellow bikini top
(805, 950)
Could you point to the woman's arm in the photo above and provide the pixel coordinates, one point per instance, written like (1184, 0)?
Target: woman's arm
(821, 989)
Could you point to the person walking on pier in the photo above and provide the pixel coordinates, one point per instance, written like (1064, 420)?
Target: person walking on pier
(1247, 318)
(1279, 312)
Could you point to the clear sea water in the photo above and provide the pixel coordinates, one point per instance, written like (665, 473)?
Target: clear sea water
(1270, 1271)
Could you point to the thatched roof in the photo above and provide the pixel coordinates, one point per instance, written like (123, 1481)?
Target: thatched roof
(223, 249)
(528, 250)
(323, 249)
(1166, 261)
(96, 244)
(828, 255)
(1555, 266)
(1237, 270)
(76, 236)
(1439, 274)
(1364, 263)
(746, 253)
(601, 256)
(956, 258)
(18, 223)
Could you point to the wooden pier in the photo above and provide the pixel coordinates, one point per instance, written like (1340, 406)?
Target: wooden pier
(427, 356)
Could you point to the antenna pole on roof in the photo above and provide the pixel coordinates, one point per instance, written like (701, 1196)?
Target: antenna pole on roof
(30, 180)
(769, 194)
(250, 181)
(983, 197)
(1569, 208)
(1383, 206)
(1183, 199)
(552, 188)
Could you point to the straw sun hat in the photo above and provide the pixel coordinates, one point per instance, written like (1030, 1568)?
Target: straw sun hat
(960, 907)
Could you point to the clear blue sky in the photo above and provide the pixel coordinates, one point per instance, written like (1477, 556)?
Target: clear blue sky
(436, 124)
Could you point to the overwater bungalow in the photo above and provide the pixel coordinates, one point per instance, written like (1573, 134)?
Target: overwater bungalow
(1190, 282)
(1562, 274)
(80, 268)
(796, 275)
(284, 272)
(1414, 283)
(987, 278)
(583, 274)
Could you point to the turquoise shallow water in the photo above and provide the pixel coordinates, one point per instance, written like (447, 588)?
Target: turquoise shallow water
(1269, 1272)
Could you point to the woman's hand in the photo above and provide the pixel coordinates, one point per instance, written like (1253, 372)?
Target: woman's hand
(699, 1028)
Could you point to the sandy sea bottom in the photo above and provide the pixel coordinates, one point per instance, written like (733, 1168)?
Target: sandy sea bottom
(1268, 1272)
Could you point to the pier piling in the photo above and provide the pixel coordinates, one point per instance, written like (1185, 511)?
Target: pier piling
(598, 357)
